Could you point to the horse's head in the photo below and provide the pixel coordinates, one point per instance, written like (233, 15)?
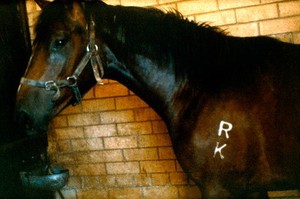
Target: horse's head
(65, 52)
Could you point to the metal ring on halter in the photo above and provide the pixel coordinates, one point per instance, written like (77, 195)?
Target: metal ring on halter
(72, 81)
(93, 50)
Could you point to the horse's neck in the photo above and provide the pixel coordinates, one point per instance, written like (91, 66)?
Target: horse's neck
(150, 77)
(155, 84)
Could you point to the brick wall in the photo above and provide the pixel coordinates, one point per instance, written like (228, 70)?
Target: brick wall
(114, 144)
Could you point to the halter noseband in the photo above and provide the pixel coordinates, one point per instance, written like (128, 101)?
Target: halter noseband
(71, 81)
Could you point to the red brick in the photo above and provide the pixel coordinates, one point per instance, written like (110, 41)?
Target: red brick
(243, 30)
(134, 128)
(167, 1)
(117, 117)
(166, 153)
(141, 154)
(67, 193)
(52, 148)
(160, 179)
(105, 130)
(158, 166)
(225, 4)
(126, 193)
(74, 182)
(123, 168)
(68, 133)
(87, 144)
(59, 121)
(159, 127)
(67, 158)
(90, 94)
(52, 137)
(83, 119)
(120, 142)
(285, 37)
(296, 37)
(289, 8)
(154, 140)
(140, 3)
(92, 194)
(111, 90)
(256, 13)
(142, 180)
(131, 92)
(275, 26)
(64, 146)
(269, 1)
(129, 102)
(72, 110)
(125, 180)
(178, 178)
(89, 169)
(91, 182)
(178, 167)
(107, 180)
(113, 2)
(100, 156)
(196, 6)
(167, 7)
(97, 105)
(111, 81)
(158, 192)
(70, 167)
(189, 192)
(146, 114)
(217, 18)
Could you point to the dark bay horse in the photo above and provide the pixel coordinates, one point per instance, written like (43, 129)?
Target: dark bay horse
(231, 104)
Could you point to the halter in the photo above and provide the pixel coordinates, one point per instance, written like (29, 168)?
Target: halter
(71, 81)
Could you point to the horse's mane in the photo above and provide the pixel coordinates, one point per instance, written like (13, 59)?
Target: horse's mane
(160, 34)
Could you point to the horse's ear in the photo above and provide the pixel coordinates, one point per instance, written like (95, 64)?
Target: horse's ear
(42, 3)
(77, 13)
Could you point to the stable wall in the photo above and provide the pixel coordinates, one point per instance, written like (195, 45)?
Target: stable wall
(115, 145)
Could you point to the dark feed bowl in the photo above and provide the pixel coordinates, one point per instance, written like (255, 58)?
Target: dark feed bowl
(52, 182)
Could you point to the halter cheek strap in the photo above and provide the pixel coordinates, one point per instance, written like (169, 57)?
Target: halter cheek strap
(91, 55)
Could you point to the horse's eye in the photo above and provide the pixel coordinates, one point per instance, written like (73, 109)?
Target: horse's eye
(59, 43)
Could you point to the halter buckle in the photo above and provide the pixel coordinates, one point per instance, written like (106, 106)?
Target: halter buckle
(49, 85)
(92, 49)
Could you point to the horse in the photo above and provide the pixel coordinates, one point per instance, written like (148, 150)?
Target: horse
(231, 104)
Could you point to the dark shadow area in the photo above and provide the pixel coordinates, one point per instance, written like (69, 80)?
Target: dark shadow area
(18, 152)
